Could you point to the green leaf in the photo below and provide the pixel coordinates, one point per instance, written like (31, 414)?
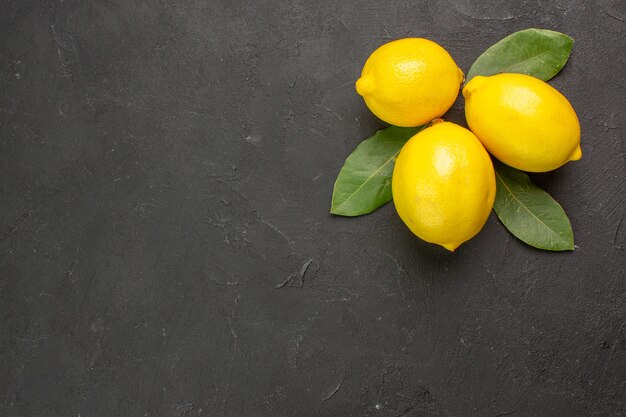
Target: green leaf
(364, 182)
(529, 212)
(537, 52)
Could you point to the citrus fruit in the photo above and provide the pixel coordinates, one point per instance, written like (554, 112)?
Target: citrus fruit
(444, 185)
(522, 121)
(409, 82)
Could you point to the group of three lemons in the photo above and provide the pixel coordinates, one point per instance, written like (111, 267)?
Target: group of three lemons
(443, 182)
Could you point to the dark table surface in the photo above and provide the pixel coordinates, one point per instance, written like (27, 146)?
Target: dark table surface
(165, 165)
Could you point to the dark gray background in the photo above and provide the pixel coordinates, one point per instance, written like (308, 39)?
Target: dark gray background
(165, 165)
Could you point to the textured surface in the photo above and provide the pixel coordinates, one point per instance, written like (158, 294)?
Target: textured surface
(166, 249)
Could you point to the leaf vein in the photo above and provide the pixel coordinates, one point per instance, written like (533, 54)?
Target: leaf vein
(367, 180)
(517, 64)
(528, 210)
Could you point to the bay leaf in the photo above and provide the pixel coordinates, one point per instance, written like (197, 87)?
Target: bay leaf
(529, 213)
(540, 53)
(364, 182)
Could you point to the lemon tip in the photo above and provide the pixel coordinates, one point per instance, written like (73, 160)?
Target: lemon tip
(577, 154)
(451, 246)
(364, 86)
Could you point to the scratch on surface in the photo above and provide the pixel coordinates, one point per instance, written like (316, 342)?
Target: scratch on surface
(47, 295)
(530, 288)
(253, 139)
(87, 289)
(233, 351)
(343, 22)
(333, 392)
(139, 360)
(60, 54)
(227, 283)
(329, 110)
(231, 318)
(285, 282)
(300, 275)
(613, 16)
(509, 16)
(406, 397)
(401, 269)
(407, 411)
(293, 350)
(161, 357)
(277, 230)
(158, 44)
(15, 225)
(184, 409)
(503, 258)
(617, 233)
(318, 176)
(305, 268)
(333, 89)
(186, 405)
(424, 391)
(501, 19)
(63, 51)
(70, 271)
(288, 119)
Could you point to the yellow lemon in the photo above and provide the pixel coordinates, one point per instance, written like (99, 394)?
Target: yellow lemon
(522, 121)
(409, 82)
(444, 185)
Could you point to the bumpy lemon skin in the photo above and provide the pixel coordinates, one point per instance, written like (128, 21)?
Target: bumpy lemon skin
(444, 185)
(409, 82)
(522, 121)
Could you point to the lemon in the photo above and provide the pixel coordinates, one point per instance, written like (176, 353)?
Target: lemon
(444, 185)
(409, 82)
(522, 121)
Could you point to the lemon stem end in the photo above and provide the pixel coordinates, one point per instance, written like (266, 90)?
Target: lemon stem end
(472, 85)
